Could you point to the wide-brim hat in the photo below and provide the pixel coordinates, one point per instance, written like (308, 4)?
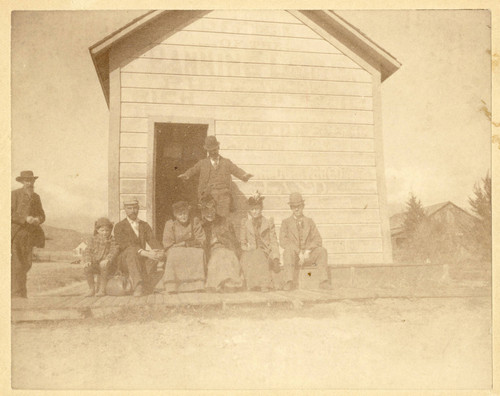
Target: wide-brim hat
(211, 143)
(295, 199)
(26, 175)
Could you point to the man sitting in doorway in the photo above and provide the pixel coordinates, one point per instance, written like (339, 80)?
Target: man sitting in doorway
(215, 176)
(132, 236)
(301, 241)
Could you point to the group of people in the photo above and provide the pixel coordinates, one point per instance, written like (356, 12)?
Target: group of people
(196, 252)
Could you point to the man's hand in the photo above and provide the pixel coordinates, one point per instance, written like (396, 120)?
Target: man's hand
(307, 255)
(247, 177)
(30, 219)
(158, 254)
(183, 176)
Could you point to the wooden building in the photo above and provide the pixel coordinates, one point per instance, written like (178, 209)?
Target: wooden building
(293, 97)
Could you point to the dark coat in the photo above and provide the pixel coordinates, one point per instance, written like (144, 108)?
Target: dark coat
(267, 235)
(22, 206)
(222, 231)
(125, 236)
(289, 234)
(221, 177)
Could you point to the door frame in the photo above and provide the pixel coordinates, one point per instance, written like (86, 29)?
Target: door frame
(151, 154)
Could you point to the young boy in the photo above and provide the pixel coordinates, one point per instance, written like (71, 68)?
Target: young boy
(301, 242)
(99, 256)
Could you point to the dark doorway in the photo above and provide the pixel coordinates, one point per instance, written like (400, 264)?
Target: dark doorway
(177, 148)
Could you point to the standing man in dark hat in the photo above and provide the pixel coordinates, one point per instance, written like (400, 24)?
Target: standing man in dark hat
(302, 244)
(26, 215)
(215, 176)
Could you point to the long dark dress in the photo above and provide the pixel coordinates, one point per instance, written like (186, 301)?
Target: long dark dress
(222, 247)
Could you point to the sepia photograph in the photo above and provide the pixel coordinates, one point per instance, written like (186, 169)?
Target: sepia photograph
(258, 199)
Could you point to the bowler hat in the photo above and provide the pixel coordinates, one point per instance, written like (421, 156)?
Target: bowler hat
(26, 175)
(295, 199)
(211, 143)
(131, 202)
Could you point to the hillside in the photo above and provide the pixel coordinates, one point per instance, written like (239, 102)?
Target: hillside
(62, 238)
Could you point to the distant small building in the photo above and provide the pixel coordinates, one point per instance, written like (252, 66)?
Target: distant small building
(78, 251)
(454, 225)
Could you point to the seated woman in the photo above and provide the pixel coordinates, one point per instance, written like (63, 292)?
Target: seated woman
(183, 240)
(222, 247)
(260, 247)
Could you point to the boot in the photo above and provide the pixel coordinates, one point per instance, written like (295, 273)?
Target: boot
(102, 284)
(90, 281)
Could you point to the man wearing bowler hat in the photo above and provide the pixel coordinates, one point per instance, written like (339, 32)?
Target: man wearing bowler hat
(26, 215)
(135, 258)
(215, 176)
(302, 244)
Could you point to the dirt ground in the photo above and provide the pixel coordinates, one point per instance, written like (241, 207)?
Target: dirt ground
(384, 343)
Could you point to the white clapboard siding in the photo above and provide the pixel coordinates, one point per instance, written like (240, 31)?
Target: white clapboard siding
(133, 155)
(305, 172)
(251, 42)
(256, 128)
(355, 258)
(263, 143)
(168, 80)
(283, 129)
(333, 216)
(343, 231)
(247, 113)
(232, 69)
(280, 157)
(306, 187)
(254, 15)
(133, 170)
(353, 246)
(316, 201)
(251, 27)
(132, 186)
(133, 140)
(168, 51)
(146, 95)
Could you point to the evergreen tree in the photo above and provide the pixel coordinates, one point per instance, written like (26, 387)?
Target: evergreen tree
(481, 205)
(415, 215)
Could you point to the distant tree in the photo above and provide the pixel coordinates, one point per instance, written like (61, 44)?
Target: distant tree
(414, 216)
(481, 205)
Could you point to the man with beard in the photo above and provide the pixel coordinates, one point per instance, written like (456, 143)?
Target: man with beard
(215, 176)
(26, 215)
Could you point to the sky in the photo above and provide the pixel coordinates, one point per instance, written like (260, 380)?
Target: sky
(436, 137)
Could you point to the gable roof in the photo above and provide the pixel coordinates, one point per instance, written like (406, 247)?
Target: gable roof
(396, 221)
(327, 20)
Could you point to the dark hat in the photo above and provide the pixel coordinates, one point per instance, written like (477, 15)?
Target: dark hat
(295, 199)
(103, 222)
(211, 143)
(26, 175)
(180, 205)
(255, 199)
(206, 200)
(131, 202)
